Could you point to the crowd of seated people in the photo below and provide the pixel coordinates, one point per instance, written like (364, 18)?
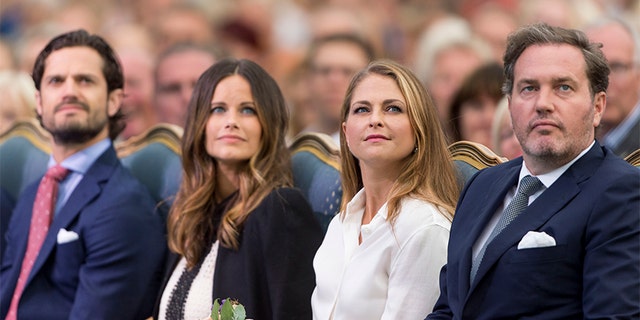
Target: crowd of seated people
(290, 65)
(441, 42)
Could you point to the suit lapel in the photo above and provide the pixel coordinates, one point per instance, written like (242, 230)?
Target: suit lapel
(541, 210)
(505, 179)
(87, 190)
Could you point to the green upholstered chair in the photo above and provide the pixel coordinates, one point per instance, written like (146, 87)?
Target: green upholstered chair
(634, 158)
(24, 153)
(315, 162)
(154, 157)
(470, 157)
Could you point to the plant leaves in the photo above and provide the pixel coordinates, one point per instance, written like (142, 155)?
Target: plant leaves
(226, 313)
(239, 313)
(215, 309)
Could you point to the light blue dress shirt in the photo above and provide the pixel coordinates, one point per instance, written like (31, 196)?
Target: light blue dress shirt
(78, 163)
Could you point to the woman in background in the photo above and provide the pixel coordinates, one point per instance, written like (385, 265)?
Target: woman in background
(382, 255)
(503, 138)
(17, 98)
(237, 227)
(474, 105)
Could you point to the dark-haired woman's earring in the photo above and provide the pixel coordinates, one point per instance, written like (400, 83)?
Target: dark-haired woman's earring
(415, 149)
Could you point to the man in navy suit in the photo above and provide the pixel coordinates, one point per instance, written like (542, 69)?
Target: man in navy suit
(574, 252)
(103, 251)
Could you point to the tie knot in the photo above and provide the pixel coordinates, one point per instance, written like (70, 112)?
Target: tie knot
(57, 173)
(529, 185)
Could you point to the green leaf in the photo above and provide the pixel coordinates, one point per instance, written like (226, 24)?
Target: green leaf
(226, 313)
(214, 310)
(239, 313)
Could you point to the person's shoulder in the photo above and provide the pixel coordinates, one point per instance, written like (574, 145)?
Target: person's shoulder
(126, 190)
(286, 196)
(500, 168)
(419, 213)
(284, 200)
(128, 181)
(418, 219)
(284, 208)
(615, 168)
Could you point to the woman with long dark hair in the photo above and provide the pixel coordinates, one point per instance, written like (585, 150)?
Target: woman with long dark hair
(239, 230)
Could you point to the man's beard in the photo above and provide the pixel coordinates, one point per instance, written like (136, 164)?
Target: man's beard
(76, 133)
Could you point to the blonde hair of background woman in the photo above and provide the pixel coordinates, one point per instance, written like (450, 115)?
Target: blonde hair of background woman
(17, 98)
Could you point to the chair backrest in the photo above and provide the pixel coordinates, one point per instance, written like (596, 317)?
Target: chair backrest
(154, 157)
(470, 157)
(315, 161)
(24, 153)
(634, 158)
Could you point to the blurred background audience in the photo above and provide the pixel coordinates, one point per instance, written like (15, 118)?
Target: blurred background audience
(443, 41)
(138, 63)
(474, 105)
(7, 60)
(331, 63)
(17, 98)
(620, 125)
(503, 139)
(177, 70)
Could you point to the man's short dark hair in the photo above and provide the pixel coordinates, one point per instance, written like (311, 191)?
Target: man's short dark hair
(597, 69)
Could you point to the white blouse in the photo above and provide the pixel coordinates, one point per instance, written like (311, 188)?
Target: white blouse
(200, 292)
(392, 274)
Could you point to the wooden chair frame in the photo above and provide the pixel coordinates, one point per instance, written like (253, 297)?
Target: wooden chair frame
(168, 135)
(633, 158)
(31, 130)
(475, 154)
(319, 145)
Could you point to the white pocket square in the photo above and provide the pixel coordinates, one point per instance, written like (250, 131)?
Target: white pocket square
(535, 239)
(65, 236)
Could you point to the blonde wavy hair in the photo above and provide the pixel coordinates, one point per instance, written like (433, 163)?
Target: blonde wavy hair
(428, 173)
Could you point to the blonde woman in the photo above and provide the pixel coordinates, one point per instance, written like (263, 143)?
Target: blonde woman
(382, 255)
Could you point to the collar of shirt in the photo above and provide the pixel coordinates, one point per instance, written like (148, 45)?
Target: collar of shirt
(78, 163)
(352, 222)
(548, 178)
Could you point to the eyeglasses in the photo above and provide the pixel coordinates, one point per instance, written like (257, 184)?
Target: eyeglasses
(174, 88)
(325, 71)
(620, 68)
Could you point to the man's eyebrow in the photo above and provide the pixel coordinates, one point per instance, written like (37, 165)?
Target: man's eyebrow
(563, 79)
(526, 81)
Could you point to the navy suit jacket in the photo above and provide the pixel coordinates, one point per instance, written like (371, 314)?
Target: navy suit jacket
(6, 207)
(112, 271)
(592, 211)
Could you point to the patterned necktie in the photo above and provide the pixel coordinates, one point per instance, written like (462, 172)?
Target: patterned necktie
(41, 217)
(528, 186)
